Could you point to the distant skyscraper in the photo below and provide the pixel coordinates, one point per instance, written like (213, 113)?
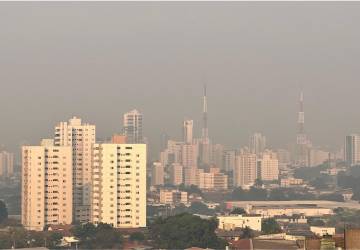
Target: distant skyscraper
(188, 131)
(217, 155)
(302, 142)
(352, 150)
(191, 176)
(6, 164)
(119, 187)
(257, 144)
(133, 126)
(268, 166)
(189, 155)
(245, 172)
(229, 160)
(46, 186)
(157, 174)
(80, 136)
(176, 174)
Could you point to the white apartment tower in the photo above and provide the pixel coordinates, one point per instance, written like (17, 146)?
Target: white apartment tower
(189, 155)
(269, 166)
(188, 131)
(46, 186)
(6, 164)
(245, 171)
(80, 136)
(176, 174)
(157, 174)
(119, 185)
(133, 126)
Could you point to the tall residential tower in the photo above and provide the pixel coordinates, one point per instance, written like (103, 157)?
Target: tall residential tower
(47, 197)
(80, 136)
(133, 126)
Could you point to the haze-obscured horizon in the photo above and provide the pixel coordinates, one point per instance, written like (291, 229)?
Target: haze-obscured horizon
(99, 60)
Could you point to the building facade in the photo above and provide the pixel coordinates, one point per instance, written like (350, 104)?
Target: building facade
(176, 174)
(269, 166)
(119, 186)
(188, 131)
(257, 144)
(80, 136)
(46, 186)
(245, 172)
(157, 174)
(133, 126)
(352, 149)
(6, 164)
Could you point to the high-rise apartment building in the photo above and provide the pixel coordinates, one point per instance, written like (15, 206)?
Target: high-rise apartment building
(176, 174)
(6, 164)
(257, 144)
(172, 154)
(213, 180)
(46, 186)
(245, 172)
(189, 155)
(229, 160)
(80, 136)
(188, 131)
(217, 155)
(352, 149)
(133, 127)
(157, 174)
(269, 166)
(119, 185)
(191, 176)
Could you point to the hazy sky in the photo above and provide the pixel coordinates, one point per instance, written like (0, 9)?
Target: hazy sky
(99, 60)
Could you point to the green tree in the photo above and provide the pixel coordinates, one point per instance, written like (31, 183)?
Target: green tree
(258, 183)
(247, 233)
(238, 210)
(183, 231)
(270, 226)
(198, 207)
(101, 236)
(3, 212)
(137, 236)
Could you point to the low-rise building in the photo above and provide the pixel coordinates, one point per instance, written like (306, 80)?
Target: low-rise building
(321, 231)
(299, 219)
(173, 197)
(288, 182)
(288, 210)
(231, 222)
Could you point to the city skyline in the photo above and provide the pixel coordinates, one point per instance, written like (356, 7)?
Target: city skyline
(244, 88)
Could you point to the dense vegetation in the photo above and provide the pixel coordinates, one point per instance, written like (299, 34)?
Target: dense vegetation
(184, 231)
(3, 212)
(270, 226)
(309, 174)
(97, 237)
(12, 197)
(18, 237)
(351, 179)
(238, 210)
